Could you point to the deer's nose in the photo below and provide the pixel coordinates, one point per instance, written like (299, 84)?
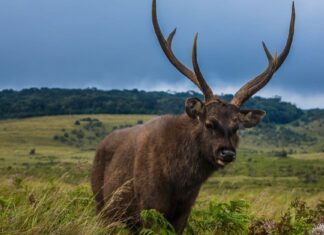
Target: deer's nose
(227, 155)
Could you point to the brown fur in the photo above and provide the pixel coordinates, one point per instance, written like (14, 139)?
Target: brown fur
(167, 160)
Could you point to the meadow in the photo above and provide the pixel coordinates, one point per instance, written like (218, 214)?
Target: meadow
(45, 164)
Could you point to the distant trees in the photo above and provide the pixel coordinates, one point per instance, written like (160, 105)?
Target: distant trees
(47, 101)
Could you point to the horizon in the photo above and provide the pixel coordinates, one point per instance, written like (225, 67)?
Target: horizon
(166, 91)
(111, 45)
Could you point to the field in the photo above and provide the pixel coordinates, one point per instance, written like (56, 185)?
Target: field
(45, 164)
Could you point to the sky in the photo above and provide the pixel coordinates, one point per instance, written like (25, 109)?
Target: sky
(112, 45)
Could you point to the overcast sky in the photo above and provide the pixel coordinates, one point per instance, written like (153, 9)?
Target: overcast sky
(110, 44)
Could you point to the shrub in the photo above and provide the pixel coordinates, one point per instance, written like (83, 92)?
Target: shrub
(156, 224)
(282, 153)
(220, 218)
(298, 219)
(318, 230)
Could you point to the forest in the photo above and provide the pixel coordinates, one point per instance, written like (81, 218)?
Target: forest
(53, 101)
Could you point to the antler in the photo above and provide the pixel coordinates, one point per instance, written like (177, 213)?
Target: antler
(275, 62)
(196, 77)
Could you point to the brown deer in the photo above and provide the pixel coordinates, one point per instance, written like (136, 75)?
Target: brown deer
(163, 163)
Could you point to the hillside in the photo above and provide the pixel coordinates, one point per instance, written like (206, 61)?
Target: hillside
(65, 139)
(45, 164)
(305, 134)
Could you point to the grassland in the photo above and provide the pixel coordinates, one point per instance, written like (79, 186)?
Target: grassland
(45, 164)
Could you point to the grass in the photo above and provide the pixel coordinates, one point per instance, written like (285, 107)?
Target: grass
(48, 192)
(36, 207)
(19, 136)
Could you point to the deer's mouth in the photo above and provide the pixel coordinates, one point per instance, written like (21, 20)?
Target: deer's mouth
(225, 156)
(220, 162)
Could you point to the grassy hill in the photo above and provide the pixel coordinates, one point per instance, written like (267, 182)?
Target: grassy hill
(45, 164)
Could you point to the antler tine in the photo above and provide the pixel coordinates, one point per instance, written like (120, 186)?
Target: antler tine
(269, 56)
(207, 91)
(290, 38)
(275, 62)
(166, 46)
(170, 38)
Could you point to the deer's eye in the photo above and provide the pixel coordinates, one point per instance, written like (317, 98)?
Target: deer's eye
(209, 124)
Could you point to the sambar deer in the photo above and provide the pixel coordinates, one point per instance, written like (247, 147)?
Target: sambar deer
(163, 163)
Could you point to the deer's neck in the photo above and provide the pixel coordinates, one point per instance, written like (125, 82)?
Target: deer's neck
(190, 166)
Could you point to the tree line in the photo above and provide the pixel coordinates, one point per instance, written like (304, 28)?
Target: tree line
(55, 101)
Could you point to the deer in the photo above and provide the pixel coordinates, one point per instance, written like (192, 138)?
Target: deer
(163, 163)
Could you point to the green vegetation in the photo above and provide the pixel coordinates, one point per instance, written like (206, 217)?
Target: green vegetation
(45, 180)
(45, 101)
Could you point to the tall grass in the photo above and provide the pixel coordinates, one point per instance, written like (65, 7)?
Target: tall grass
(49, 208)
(36, 207)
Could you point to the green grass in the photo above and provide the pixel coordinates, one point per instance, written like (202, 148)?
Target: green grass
(49, 192)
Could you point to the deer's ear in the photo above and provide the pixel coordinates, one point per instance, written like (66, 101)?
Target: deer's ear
(250, 118)
(194, 107)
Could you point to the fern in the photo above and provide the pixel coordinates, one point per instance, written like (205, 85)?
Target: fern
(219, 218)
(155, 224)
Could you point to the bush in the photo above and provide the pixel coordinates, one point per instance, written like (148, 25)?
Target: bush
(282, 153)
(220, 218)
(298, 219)
(156, 224)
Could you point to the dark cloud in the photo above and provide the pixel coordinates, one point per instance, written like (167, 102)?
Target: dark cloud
(111, 44)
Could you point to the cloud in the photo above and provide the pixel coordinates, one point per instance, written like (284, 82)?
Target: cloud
(300, 100)
(111, 45)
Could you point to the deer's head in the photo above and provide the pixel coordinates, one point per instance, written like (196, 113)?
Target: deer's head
(220, 120)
